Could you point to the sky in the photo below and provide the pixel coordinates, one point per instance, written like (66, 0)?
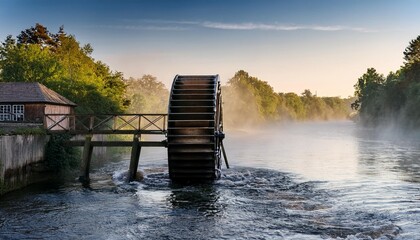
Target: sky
(320, 45)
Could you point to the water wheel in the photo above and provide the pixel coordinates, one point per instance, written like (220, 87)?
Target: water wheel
(195, 129)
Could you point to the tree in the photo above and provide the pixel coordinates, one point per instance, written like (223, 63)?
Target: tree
(410, 72)
(315, 107)
(261, 93)
(367, 87)
(249, 100)
(295, 106)
(240, 103)
(28, 64)
(395, 98)
(147, 95)
(6, 46)
(37, 35)
(412, 52)
(411, 108)
(337, 108)
(62, 64)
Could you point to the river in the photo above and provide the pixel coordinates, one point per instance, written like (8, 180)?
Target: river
(325, 180)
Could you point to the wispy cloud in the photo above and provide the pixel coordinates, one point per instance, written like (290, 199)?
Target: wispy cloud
(161, 21)
(169, 25)
(145, 27)
(279, 27)
(249, 26)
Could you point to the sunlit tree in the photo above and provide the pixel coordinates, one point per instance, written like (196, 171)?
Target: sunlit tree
(38, 35)
(147, 95)
(62, 64)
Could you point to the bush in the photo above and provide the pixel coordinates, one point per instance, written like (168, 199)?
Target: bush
(29, 131)
(60, 157)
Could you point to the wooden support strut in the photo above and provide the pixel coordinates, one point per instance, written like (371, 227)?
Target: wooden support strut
(87, 157)
(224, 155)
(134, 160)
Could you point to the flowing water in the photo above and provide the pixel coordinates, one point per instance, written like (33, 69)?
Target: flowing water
(330, 180)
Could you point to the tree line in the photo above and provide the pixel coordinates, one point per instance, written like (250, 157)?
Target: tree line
(250, 100)
(61, 63)
(246, 100)
(394, 99)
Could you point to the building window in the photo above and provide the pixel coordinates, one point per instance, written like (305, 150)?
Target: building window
(18, 113)
(5, 112)
(12, 113)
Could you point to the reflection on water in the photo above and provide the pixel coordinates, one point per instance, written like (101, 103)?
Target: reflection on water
(332, 151)
(202, 198)
(389, 154)
(317, 151)
(300, 181)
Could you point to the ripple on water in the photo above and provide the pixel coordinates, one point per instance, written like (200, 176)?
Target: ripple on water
(247, 203)
(252, 203)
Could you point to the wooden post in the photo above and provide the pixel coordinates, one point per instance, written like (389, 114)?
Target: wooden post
(91, 122)
(224, 154)
(45, 121)
(87, 157)
(135, 156)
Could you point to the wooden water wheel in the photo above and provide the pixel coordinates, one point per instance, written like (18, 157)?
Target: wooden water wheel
(195, 129)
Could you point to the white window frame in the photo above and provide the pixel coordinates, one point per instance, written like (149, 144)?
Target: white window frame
(18, 112)
(5, 112)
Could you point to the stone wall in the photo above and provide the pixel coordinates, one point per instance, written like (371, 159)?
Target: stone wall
(21, 159)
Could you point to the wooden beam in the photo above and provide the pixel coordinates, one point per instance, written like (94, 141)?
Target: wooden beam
(224, 154)
(82, 132)
(80, 143)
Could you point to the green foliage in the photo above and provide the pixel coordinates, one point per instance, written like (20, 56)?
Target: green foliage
(60, 158)
(29, 63)
(369, 91)
(250, 100)
(337, 108)
(263, 94)
(294, 105)
(29, 131)
(240, 103)
(3, 187)
(147, 95)
(59, 62)
(37, 35)
(395, 98)
(412, 52)
(16, 130)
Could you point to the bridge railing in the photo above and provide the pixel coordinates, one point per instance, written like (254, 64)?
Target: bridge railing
(106, 123)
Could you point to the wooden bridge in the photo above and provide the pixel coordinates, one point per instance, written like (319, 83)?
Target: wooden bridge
(88, 125)
(193, 130)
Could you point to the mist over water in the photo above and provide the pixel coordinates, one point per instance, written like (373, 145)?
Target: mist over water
(319, 180)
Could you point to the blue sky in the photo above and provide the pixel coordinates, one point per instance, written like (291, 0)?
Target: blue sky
(294, 45)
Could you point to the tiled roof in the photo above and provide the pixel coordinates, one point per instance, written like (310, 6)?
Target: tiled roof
(30, 92)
